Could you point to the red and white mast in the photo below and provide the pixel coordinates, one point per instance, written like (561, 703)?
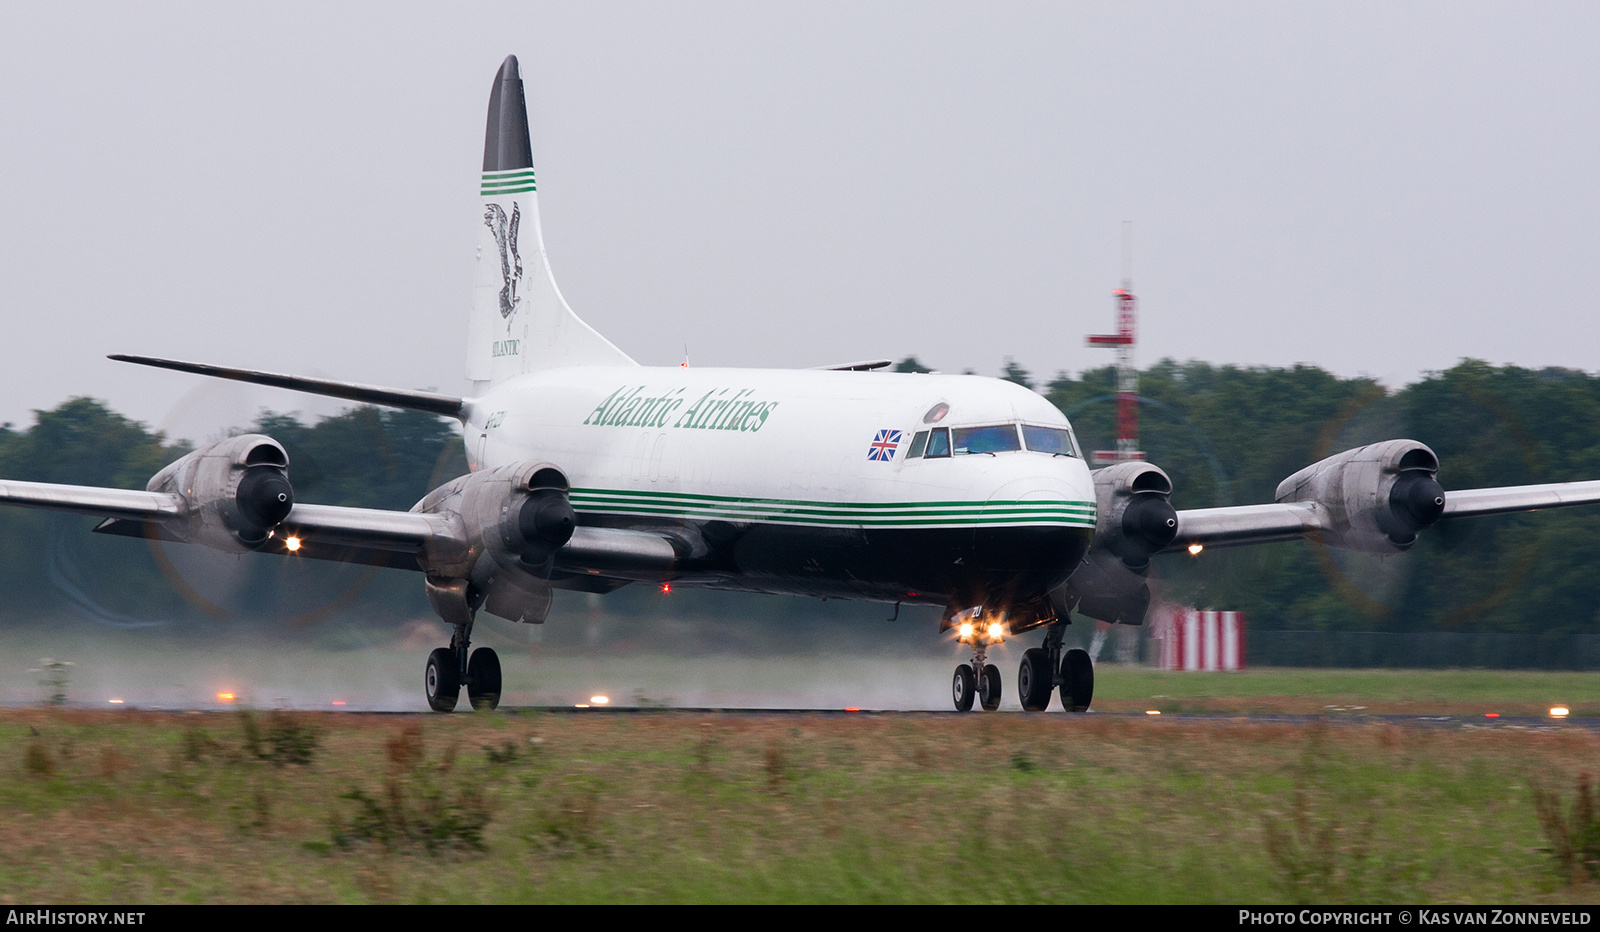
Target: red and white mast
(1127, 375)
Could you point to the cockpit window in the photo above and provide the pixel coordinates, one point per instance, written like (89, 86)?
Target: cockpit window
(1001, 438)
(1049, 440)
(918, 444)
(938, 442)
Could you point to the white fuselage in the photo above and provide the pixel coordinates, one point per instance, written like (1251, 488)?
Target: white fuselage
(798, 459)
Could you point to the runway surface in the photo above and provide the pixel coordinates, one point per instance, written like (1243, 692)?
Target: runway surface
(1450, 722)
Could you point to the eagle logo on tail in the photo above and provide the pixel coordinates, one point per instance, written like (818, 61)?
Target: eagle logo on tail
(505, 237)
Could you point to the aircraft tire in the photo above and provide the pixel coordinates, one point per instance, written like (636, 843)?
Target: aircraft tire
(483, 679)
(1035, 680)
(1077, 680)
(962, 687)
(441, 680)
(989, 688)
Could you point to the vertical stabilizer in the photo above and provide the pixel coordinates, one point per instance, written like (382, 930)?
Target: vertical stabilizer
(519, 322)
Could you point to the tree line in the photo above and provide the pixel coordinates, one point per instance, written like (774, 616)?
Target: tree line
(1225, 434)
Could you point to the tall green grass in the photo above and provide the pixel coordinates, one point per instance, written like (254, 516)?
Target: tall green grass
(688, 807)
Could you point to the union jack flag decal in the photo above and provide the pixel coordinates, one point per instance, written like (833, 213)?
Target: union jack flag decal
(883, 446)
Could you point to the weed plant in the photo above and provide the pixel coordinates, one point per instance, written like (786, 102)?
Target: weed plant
(1574, 834)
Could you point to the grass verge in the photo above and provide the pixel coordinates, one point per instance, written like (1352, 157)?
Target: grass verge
(686, 807)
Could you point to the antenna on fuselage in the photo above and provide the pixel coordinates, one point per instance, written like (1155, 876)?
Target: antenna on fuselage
(1127, 374)
(685, 363)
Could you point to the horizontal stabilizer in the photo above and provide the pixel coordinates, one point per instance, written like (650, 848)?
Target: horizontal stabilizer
(447, 405)
(866, 365)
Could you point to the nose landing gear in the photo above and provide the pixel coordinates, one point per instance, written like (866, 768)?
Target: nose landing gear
(979, 679)
(989, 687)
(963, 686)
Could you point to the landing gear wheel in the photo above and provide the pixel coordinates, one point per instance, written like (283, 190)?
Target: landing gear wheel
(483, 679)
(963, 687)
(1035, 679)
(1077, 680)
(442, 680)
(989, 688)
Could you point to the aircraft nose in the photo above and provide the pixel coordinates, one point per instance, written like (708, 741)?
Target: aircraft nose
(1037, 527)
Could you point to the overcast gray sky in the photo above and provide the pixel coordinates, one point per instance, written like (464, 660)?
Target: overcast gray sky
(1377, 189)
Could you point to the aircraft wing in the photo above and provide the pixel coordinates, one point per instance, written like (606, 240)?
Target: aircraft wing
(374, 528)
(593, 550)
(329, 532)
(81, 499)
(1258, 524)
(1245, 524)
(320, 532)
(1469, 503)
(400, 539)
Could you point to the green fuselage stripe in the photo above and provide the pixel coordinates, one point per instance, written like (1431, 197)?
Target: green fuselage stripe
(862, 514)
(843, 513)
(687, 498)
(929, 521)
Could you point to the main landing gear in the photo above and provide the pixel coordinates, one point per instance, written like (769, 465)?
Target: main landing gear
(1048, 666)
(446, 672)
(1043, 669)
(448, 668)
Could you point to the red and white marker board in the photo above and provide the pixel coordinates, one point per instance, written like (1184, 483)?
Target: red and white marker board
(1203, 640)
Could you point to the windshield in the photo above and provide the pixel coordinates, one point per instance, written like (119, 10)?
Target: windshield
(1049, 440)
(1001, 438)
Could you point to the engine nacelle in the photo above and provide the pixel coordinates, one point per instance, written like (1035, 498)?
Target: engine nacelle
(237, 492)
(514, 519)
(1374, 499)
(1135, 521)
(1134, 515)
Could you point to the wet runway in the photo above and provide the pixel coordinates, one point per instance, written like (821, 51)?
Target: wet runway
(1177, 719)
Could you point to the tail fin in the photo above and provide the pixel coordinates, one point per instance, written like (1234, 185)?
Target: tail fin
(519, 320)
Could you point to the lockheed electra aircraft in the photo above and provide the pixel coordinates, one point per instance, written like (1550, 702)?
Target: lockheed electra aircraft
(590, 472)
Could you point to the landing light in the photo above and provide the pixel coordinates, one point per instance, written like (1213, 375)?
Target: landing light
(997, 631)
(966, 630)
(1194, 549)
(1560, 711)
(293, 543)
